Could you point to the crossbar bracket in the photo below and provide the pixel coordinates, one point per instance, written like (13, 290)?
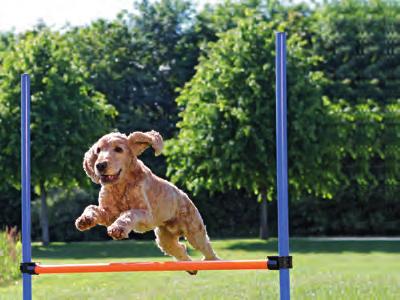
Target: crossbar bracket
(280, 262)
(28, 268)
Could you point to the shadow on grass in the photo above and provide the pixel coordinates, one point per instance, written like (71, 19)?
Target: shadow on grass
(109, 249)
(309, 246)
(146, 249)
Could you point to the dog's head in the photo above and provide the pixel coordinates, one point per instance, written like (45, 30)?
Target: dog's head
(110, 158)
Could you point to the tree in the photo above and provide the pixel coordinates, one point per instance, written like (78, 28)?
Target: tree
(219, 18)
(6, 39)
(361, 66)
(67, 113)
(113, 64)
(227, 137)
(140, 60)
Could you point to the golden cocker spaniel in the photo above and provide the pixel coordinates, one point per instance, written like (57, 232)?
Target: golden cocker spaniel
(133, 198)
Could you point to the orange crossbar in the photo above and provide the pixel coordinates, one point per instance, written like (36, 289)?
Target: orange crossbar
(154, 266)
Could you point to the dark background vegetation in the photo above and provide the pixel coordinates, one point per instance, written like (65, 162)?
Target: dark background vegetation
(205, 80)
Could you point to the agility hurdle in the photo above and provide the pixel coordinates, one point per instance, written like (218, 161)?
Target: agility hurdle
(283, 262)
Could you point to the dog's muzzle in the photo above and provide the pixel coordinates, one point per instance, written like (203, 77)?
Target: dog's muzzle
(110, 178)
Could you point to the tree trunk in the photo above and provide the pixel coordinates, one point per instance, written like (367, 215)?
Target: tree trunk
(263, 217)
(44, 220)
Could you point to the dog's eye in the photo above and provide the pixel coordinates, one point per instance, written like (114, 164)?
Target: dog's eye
(118, 149)
(98, 150)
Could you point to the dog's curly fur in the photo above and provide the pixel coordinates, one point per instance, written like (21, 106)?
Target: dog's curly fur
(133, 198)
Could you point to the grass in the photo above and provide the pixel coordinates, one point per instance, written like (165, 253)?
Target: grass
(322, 270)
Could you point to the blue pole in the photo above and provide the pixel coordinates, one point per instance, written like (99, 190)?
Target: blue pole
(281, 154)
(26, 183)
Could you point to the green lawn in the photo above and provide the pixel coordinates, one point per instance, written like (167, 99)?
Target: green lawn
(322, 270)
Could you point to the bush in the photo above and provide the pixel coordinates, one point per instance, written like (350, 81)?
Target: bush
(10, 254)
(65, 206)
(10, 206)
(236, 214)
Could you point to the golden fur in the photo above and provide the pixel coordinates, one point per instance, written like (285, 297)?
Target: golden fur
(133, 198)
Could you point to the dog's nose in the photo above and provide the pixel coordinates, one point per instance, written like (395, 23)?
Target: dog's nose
(101, 166)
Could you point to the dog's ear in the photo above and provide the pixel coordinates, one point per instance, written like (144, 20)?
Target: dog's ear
(88, 164)
(140, 141)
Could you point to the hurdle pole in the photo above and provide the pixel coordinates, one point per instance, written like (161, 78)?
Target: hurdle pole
(26, 183)
(281, 156)
(214, 265)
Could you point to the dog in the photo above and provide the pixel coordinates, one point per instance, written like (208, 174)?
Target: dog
(132, 198)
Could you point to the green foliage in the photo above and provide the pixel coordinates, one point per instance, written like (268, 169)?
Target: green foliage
(360, 43)
(65, 206)
(163, 30)
(140, 60)
(226, 137)
(216, 19)
(10, 254)
(138, 63)
(346, 139)
(112, 65)
(6, 40)
(67, 113)
(239, 218)
(346, 215)
(10, 206)
(344, 109)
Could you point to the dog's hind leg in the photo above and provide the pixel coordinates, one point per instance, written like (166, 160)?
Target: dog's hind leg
(196, 235)
(169, 244)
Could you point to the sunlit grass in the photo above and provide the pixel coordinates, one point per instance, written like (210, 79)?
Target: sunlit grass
(322, 270)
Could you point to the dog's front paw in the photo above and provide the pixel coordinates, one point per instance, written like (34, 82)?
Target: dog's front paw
(84, 223)
(117, 232)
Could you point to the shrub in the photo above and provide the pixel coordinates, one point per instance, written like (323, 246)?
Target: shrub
(10, 253)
